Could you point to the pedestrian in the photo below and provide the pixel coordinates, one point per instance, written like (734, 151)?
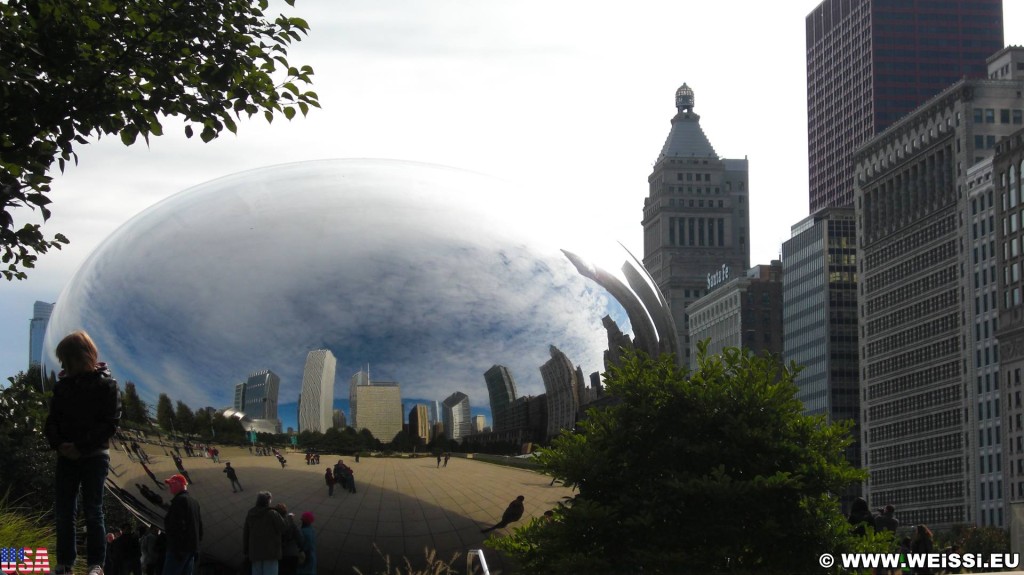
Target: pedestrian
(184, 527)
(291, 542)
(439, 460)
(233, 477)
(261, 536)
(84, 413)
(886, 520)
(149, 554)
(860, 516)
(345, 475)
(130, 550)
(307, 564)
(447, 456)
(329, 479)
(922, 542)
(514, 512)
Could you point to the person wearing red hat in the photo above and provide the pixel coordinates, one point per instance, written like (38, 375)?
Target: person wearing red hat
(184, 527)
(308, 567)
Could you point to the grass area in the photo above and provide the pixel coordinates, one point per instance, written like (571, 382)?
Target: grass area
(21, 527)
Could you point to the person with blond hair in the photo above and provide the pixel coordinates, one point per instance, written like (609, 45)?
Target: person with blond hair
(84, 415)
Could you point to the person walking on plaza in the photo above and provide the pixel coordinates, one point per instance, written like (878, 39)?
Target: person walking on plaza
(261, 536)
(447, 456)
(84, 414)
(329, 479)
(308, 567)
(514, 512)
(184, 527)
(439, 460)
(233, 477)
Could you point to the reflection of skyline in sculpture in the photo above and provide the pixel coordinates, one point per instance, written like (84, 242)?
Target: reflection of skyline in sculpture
(316, 403)
(456, 416)
(178, 300)
(561, 383)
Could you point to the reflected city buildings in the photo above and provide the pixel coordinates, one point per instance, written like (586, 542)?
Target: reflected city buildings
(415, 270)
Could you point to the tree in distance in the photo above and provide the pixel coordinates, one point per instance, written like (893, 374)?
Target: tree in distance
(71, 69)
(714, 471)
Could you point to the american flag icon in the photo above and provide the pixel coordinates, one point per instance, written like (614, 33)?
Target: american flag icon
(24, 560)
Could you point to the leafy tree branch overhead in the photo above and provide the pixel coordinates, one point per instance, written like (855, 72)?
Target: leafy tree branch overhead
(73, 69)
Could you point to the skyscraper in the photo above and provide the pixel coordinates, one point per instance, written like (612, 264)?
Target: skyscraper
(456, 415)
(695, 216)
(819, 291)
(925, 282)
(419, 424)
(871, 62)
(317, 400)
(376, 406)
(259, 397)
(501, 389)
(36, 330)
(561, 385)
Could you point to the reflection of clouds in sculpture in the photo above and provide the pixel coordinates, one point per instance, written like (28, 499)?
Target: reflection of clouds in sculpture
(416, 270)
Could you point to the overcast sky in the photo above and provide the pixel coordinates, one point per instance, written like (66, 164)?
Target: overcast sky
(569, 99)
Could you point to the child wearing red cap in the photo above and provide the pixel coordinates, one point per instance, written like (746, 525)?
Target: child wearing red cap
(308, 567)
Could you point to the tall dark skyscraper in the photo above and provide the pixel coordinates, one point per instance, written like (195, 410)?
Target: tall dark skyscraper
(871, 62)
(501, 387)
(695, 216)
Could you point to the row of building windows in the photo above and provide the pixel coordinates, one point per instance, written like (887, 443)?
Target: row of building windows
(920, 448)
(923, 187)
(986, 275)
(914, 357)
(990, 354)
(691, 176)
(920, 332)
(924, 236)
(937, 302)
(910, 381)
(918, 471)
(914, 403)
(986, 439)
(672, 203)
(924, 424)
(994, 461)
(1006, 116)
(914, 265)
(985, 409)
(995, 490)
(919, 494)
(910, 291)
(981, 222)
(697, 232)
(945, 514)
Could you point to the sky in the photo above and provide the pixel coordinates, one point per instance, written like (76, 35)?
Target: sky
(569, 100)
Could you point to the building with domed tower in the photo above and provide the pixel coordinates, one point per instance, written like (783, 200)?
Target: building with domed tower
(696, 217)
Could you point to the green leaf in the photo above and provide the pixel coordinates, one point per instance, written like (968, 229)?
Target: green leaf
(129, 134)
(289, 112)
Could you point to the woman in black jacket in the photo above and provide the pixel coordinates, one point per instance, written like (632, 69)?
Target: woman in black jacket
(83, 416)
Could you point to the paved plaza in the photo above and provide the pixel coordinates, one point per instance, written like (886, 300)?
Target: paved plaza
(402, 505)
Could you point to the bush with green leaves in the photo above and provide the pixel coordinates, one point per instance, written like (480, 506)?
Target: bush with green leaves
(714, 471)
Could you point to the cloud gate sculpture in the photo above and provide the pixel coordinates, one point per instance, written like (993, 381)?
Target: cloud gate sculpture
(426, 274)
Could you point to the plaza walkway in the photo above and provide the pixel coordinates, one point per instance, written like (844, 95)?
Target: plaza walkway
(402, 506)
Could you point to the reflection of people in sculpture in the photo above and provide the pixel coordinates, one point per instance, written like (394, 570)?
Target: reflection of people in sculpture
(84, 414)
(153, 477)
(514, 512)
(150, 495)
(181, 469)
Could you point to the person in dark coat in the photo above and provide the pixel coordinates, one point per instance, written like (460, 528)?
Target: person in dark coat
(291, 542)
(514, 512)
(922, 542)
(261, 536)
(860, 516)
(235, 485)
(329, 479)
(184, 527)
(84, 414)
